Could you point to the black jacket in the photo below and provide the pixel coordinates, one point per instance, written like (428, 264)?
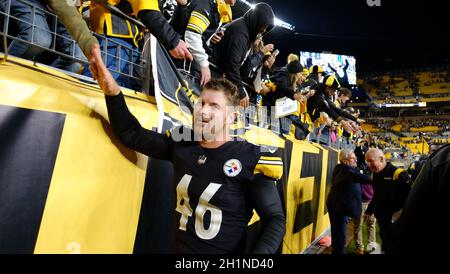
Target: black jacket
(345, 193)
(239, 35)
(415, 167)
(308, 83)
(425, 214)
(249, 71)
(160, 28)
(282, 78)
(390, 190)
(321, 102)
(250, 66)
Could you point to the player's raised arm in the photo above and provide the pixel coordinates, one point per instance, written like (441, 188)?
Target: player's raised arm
(125, 126)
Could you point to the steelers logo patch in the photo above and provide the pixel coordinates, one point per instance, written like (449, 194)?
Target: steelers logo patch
(232, 167)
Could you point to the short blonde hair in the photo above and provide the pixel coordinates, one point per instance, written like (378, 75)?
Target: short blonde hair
(230, 90)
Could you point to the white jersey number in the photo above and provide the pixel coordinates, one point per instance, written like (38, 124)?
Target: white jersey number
(203, 206)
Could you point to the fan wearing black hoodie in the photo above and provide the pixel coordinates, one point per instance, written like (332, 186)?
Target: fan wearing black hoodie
(239, 36)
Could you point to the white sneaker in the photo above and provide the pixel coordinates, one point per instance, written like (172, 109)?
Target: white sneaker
(373, 248)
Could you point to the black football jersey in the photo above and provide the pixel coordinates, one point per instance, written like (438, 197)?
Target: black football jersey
(212, 208)
(217, 189)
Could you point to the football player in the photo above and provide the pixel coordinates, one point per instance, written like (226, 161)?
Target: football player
(218, 181)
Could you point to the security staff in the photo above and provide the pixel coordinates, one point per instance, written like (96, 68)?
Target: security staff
(391, 186)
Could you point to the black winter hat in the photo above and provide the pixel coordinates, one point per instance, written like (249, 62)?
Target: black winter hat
(294, 67)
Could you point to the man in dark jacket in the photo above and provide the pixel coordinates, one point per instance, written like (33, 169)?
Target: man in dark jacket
(425, 214)
(344, 199)
(238, 37)
(416, 166)
(391, 186)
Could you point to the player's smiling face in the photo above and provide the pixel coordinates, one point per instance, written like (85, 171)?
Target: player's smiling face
(212, 114)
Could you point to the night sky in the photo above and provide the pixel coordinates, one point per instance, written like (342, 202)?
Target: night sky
(398, 34)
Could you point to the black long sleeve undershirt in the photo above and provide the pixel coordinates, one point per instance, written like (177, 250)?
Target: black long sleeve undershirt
(327, 106)
(264, 196)
(160, 28)
(261, 190)
(130, 132)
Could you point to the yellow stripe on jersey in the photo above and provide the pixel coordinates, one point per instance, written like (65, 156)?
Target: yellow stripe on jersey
(270, 158)
(194, 28)
(272, 171)
(201, 16)
(198, 22)
(139, 5)
(269, 166)
(112, 2)
(397, 173)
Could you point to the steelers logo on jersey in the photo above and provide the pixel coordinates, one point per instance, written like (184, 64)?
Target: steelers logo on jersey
(232, 167)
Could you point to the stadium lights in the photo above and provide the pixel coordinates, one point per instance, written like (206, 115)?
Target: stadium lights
(248, 4)
(283, 24)
(278, 22)
(420, 104)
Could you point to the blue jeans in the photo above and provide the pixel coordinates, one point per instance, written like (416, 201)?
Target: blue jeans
(40, 34)
(116, 65)
(338, 231)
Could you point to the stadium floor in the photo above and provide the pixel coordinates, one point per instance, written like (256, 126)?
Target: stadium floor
(350, 245)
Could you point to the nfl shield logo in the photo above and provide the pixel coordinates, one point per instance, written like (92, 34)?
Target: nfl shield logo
(232, 167)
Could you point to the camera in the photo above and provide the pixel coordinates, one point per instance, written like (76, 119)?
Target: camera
(305, 90)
